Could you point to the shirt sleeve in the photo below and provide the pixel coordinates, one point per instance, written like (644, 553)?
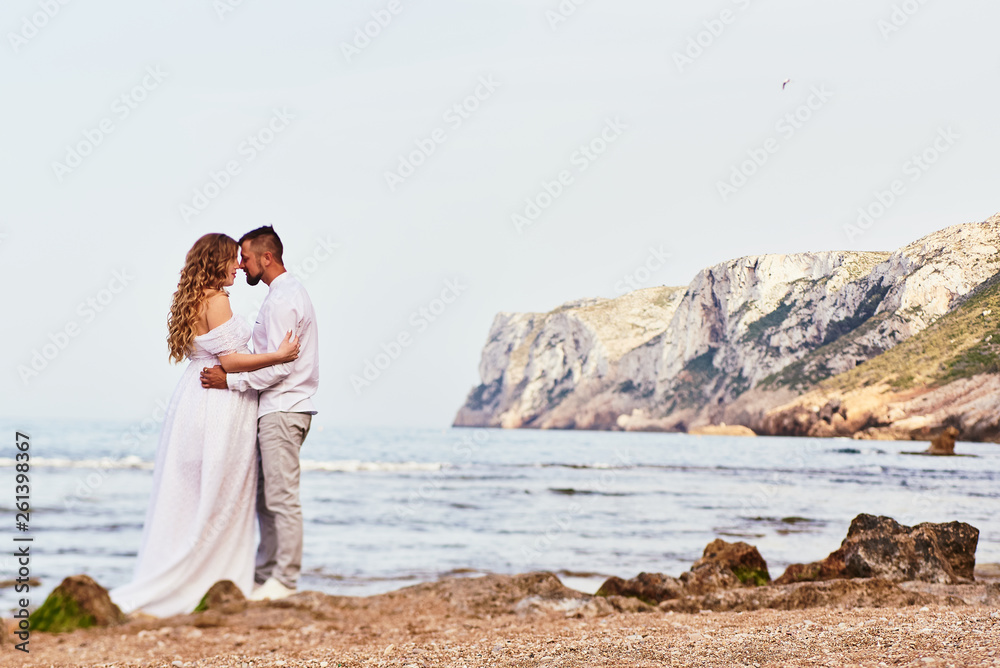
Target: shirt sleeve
(280, 317)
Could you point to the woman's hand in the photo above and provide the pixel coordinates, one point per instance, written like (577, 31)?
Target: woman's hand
(288, 349)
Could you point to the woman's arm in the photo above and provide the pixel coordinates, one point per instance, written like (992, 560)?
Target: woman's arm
(219, 312)
(239, 362)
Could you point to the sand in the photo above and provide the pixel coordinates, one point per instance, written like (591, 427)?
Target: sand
(490, 623)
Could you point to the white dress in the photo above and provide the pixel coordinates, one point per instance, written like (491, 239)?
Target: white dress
(200, 522)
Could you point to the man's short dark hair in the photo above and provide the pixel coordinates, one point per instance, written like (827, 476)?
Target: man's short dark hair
(263, 240)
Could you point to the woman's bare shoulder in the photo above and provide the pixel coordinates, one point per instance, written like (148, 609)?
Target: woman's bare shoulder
(217, 308)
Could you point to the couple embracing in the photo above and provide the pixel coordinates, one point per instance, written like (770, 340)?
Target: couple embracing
(229, 447)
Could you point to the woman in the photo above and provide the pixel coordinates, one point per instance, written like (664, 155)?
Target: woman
(200, 523)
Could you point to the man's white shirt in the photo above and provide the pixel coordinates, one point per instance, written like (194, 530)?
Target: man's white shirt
(285, 387)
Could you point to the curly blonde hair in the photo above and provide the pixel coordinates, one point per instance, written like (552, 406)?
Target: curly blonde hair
(206, 267)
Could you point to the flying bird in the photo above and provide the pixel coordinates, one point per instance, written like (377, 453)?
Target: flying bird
(785, 83)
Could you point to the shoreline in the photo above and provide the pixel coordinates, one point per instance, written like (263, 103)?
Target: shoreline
(723, 429)
(526, 620)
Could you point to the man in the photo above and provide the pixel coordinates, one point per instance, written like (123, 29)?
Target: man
(284, 411)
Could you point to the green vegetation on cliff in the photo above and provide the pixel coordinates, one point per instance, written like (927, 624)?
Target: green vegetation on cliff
(697, 375)
(813, 369)
(962, 343)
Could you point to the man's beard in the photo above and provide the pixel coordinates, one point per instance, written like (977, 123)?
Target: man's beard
(254, 280)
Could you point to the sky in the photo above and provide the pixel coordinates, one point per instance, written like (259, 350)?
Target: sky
(430, 163)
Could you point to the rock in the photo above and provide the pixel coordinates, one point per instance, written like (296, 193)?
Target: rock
(976, 593)
(944, 443)
(708, 578)
(77, 603)
(722, 566)
(742, 559)
(140, 617)
(492, 594)
(647, 587)
(225, 597)
(209, 619)
(881, 547)
(32, 582)
(832, 409)
(595, 607)
(629, 604)
(535, 605)
(957, 542)
(721, 430)
(814, 572)
(859, 593)
(987, 571)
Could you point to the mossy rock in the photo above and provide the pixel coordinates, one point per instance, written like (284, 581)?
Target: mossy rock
(801, 573)
(60, 614)
(752, 576)
(77, 603)
(742, 559)
(223, 596)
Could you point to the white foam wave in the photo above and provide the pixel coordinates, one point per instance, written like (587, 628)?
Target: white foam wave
(355, 465)
(137, 463)
(106, 463)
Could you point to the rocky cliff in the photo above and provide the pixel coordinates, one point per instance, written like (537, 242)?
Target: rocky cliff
(947, 375)
(745, 338)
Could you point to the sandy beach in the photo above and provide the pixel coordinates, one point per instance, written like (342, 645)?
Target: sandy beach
(528, 620)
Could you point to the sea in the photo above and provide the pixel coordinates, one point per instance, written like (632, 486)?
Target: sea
(386, 508)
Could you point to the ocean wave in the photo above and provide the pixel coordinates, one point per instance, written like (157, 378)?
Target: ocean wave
(137, 463)
(857, 451)
(601, 466)
(570, 491)
(105, 463)
(356, 465)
